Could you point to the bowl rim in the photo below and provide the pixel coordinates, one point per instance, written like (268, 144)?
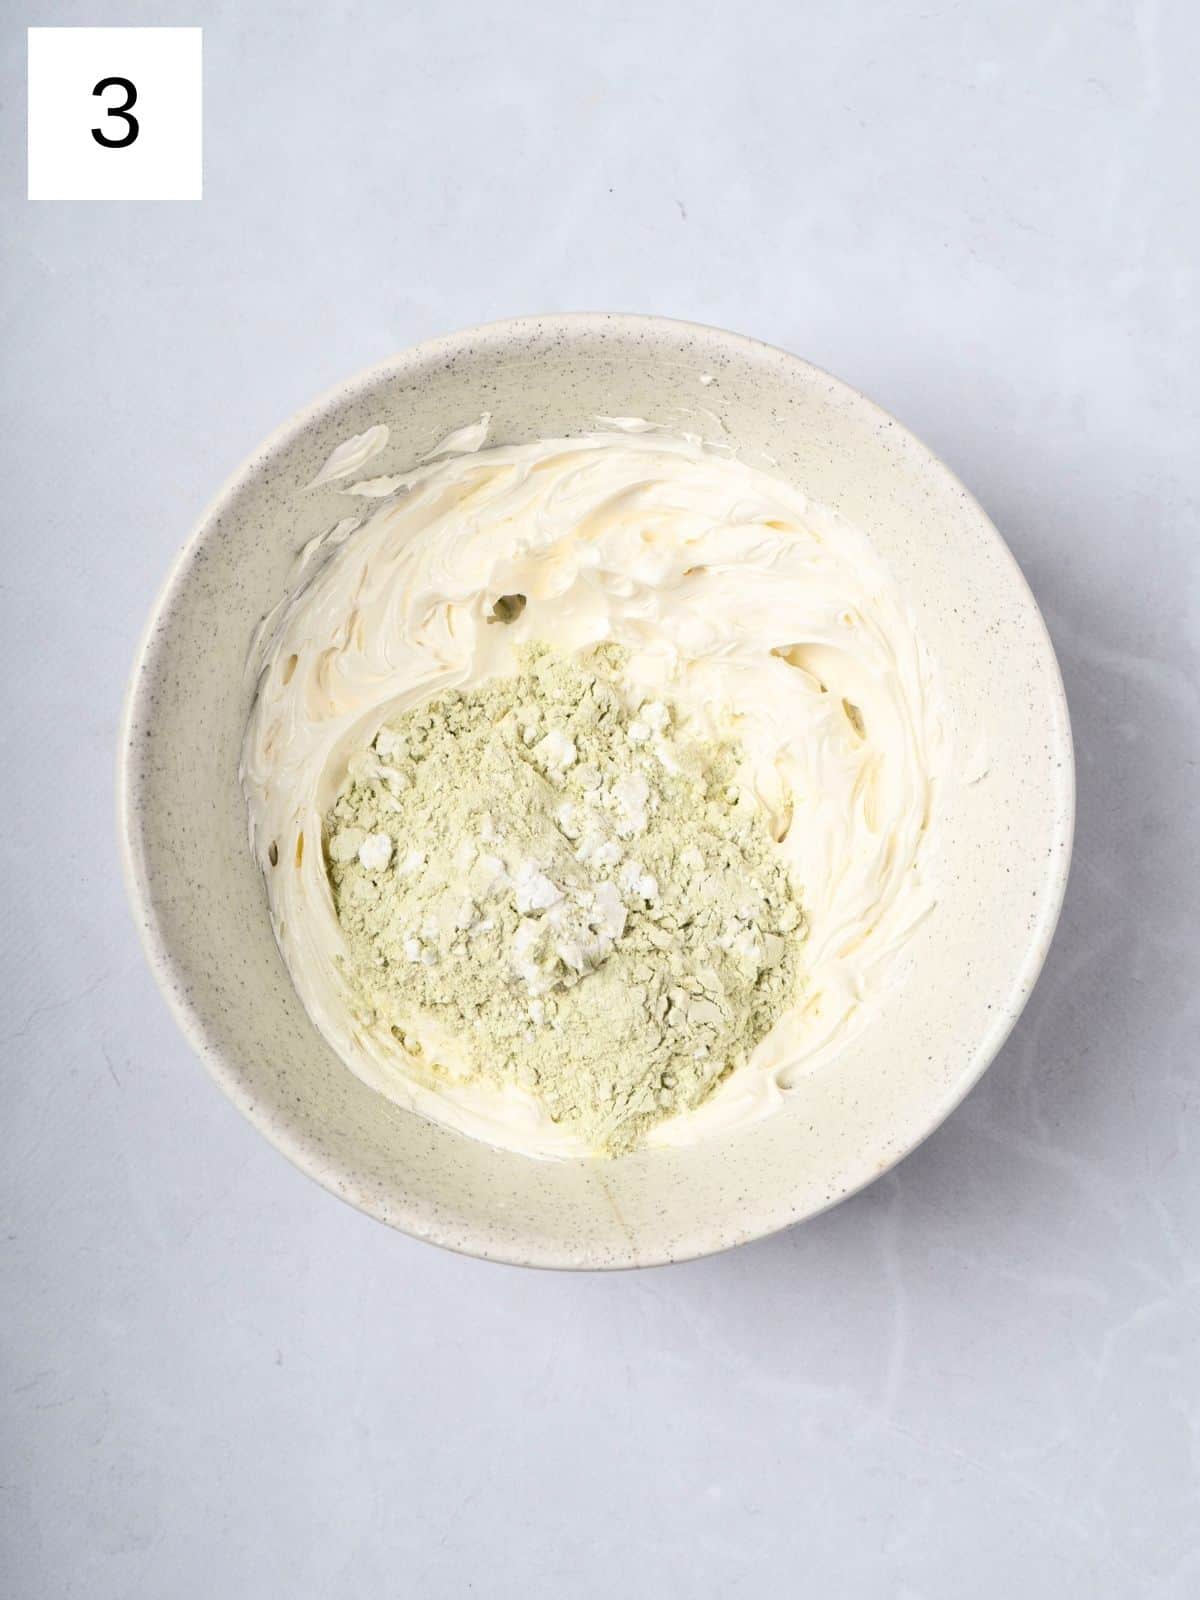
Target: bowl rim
(723, 1233)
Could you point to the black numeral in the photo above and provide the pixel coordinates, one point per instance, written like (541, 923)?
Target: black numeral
(122, 111)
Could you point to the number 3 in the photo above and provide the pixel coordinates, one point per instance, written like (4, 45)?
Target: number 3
(121, 111)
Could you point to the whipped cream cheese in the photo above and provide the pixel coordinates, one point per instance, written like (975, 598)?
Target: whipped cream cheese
(754, 613)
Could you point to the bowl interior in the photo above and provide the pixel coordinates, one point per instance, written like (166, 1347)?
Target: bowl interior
(1004, 842)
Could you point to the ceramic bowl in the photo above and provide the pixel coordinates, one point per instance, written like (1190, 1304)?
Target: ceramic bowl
(200, 902)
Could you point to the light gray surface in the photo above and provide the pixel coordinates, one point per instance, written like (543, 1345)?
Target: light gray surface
(981, 1375)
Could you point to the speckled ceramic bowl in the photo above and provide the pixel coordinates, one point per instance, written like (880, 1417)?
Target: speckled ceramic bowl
(200, 903)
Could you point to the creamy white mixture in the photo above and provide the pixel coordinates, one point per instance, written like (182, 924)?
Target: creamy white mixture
(752, 611)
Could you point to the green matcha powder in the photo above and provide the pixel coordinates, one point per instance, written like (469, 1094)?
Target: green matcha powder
(570, 890)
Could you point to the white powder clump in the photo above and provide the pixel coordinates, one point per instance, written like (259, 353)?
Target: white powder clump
(375, 851)
(515, 869)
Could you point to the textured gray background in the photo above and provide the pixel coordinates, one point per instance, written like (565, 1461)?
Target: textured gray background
(980, 1377)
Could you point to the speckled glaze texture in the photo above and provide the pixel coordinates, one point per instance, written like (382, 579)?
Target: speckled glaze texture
(1004, 845)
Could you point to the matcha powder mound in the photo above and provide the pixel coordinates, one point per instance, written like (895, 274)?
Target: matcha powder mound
(540, 886)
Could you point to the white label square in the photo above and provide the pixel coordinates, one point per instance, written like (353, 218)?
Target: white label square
(139, 137)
